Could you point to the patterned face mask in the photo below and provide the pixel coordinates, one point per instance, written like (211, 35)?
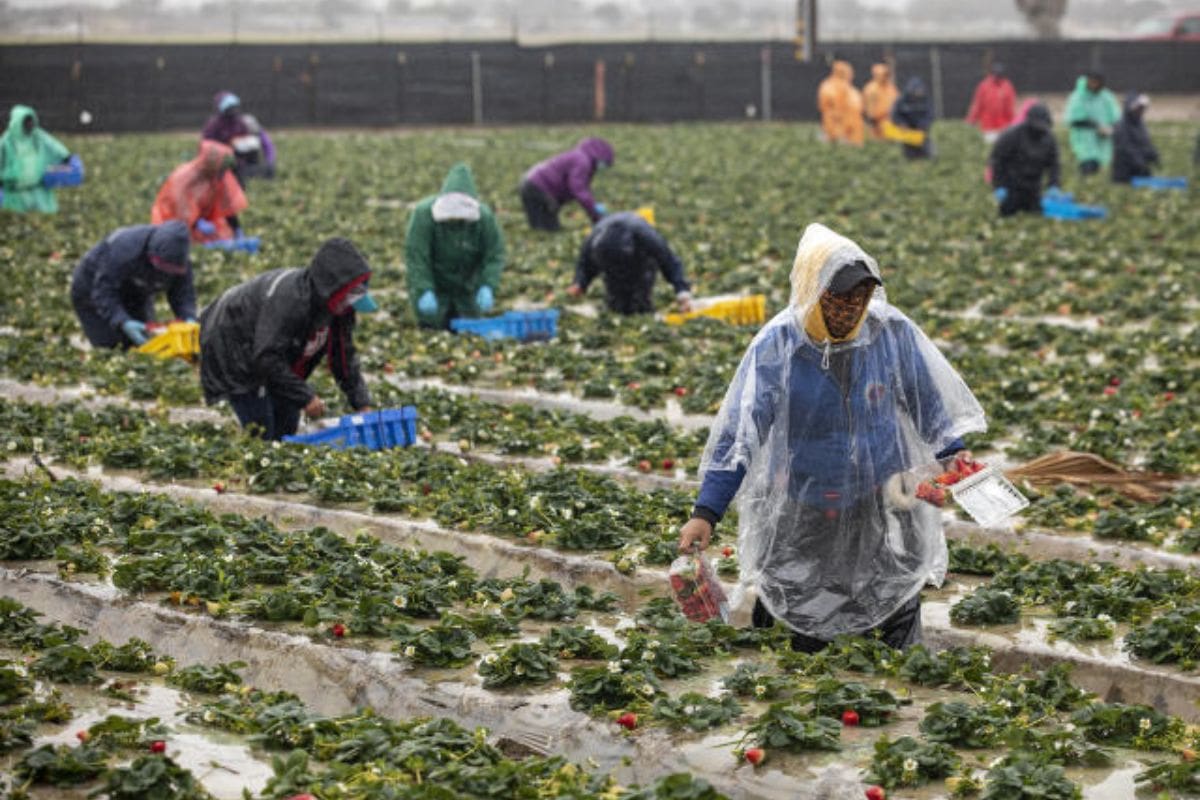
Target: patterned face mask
(843, 311)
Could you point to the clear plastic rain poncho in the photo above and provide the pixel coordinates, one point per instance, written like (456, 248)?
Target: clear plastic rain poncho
(834, 438)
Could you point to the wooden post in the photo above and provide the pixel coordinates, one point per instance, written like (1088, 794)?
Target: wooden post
(600, 99)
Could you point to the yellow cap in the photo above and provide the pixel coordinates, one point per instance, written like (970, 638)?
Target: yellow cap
(646, 213)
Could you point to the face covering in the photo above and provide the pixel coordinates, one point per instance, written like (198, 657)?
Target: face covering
(842, 312)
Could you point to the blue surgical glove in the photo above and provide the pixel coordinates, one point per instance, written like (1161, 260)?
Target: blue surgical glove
(205, 227)
(134, 331)
(428, 303)
(484, 298)
(237, 233)
(1000, 193)
(601, 209)
(190, 320)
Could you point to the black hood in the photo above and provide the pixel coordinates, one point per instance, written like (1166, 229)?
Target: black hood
(1038, 117)
(336, 264)
(168, 244)
(613, 243)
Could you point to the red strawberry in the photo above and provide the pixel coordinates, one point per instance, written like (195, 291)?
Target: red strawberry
(219, 487)
(727, 551)
(628, 720)
(82, 736)
(850, 717)
(668, 464)
(388, 369)
(158, 746)
(634, 385)
(1114, 381)
(338, 630)
(426, 488)
(876, 793)
(644, 466)
(681, 391)
(1168, 397)
(755, 755)
(1110, 390)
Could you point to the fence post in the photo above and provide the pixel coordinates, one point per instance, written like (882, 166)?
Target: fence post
(476, 88)
(765, 81)
(600, 97)
(935, 67)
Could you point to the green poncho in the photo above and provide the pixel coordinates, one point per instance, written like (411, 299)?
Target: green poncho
(452, 248)
(1095, 110)
(24, 158)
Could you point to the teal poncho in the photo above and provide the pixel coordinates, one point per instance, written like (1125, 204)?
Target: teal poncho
(24, 158)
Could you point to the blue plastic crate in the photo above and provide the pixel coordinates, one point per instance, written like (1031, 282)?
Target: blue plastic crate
(69, 174)
(528, 326)
(1068, 209)
(374, 430)
(248, 244)
(1160, 182)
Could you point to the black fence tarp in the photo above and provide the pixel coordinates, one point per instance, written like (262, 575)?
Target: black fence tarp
(163, 87)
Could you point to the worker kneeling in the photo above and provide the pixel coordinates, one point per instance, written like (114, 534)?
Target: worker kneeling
(115, 283)
(261, 340)
(840, 407)
(453, 253)
(628, 253)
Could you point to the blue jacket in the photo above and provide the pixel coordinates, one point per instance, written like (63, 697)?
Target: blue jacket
(843, 422)
(119, 278)
(629, 253)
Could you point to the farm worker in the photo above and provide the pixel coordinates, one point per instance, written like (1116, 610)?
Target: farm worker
(204, 194)
(626, 251)
(26, 151)
(261, 340)
(566, 176)
(840, 407)
(1024, 156)
(1092, 110)
(993, 107)
(453, 253)
(841, 105)
(115, 283)
(1134, 155)
(913, 111)
(252, 147)
(879, 95)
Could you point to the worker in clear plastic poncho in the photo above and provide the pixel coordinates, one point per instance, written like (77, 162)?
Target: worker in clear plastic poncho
(840, 407)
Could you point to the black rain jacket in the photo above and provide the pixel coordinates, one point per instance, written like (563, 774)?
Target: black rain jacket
(271, 331)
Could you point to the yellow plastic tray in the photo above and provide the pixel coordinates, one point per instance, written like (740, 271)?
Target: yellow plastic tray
(909, 136)
(179, 340)
(750, 310)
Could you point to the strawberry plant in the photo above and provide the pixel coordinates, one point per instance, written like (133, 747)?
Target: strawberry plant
(832, 698)
(447, 644)
(207, 680)
(963, 725)
(953, 667)
(517, 664)
(60, 765)
(1173, 637)
(578, 642)
(612, 686)
(1017, 777)
(748, 680)
(1121, 725)
(908, 762)
(68, 663)
(986, 606)
(785, 727)
(695, 711)
(1166, 776)
(153, 776)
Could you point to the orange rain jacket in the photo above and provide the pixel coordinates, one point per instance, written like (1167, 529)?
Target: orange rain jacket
(203, 188)
(879, 95)
(841, 105)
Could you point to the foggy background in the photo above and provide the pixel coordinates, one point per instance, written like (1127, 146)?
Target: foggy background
(534, 21)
